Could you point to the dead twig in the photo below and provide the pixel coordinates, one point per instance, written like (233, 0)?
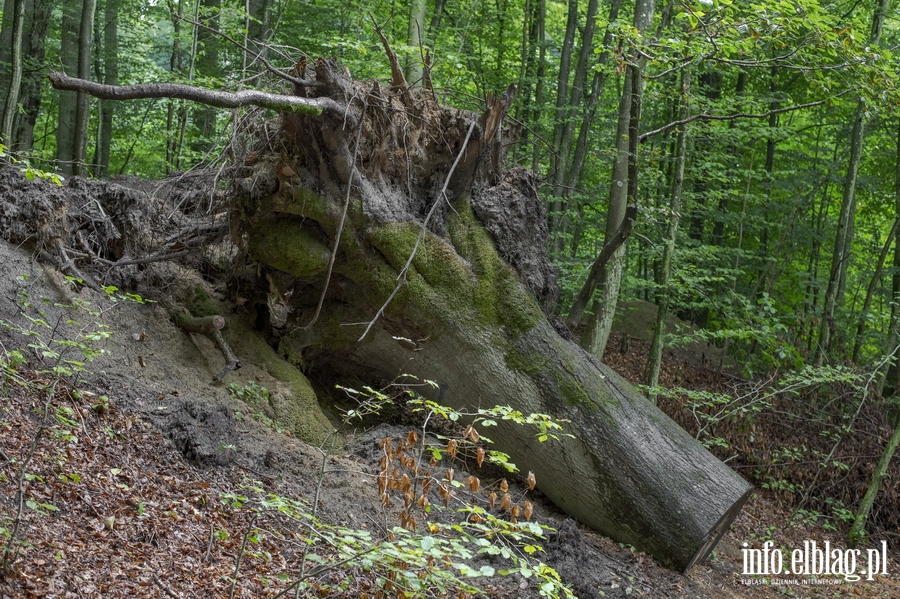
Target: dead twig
(441, 196)
(10, 552)
(340, 229)
(159, 583)
(209, 546)
(237, 565)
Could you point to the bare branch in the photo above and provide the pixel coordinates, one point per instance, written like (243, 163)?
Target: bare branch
(739, 115)
(398, 81)
(269, 67)
(210, 97)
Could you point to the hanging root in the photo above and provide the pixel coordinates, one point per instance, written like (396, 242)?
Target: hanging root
(67, 265)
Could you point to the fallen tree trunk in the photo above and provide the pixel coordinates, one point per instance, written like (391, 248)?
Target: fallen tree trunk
(396, 210)
(631, 472)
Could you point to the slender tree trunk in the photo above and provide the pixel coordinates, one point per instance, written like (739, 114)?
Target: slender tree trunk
(175, 112)
(839, 257)
(578, 83)
(617, 199)
(843, 238)
(68, 56)
(579, 155)
(415, 39)
(623, 189)
(110, 77)
(890, 373)
(570, 162)
(562, 102)
(260, 21)
(523, 107)
(435, 25)
(857, 530)
(539, 90)
(37, 19)
(6, 36)
(654, 361)
(83, 103)
(15, 81)
(207, 65)
(870, 291)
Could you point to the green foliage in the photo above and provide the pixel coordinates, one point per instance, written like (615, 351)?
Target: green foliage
(252, 393)
(31, 173)
(63, 350)
(441, 556)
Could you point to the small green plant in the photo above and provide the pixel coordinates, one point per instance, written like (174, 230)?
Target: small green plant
(252, 393)
(62, 349)
(29, 171)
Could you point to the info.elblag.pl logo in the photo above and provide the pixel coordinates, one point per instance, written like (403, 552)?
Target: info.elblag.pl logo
(815, 560)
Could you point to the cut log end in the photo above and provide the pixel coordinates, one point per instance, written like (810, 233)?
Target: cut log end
(717, 531)
(204, 325)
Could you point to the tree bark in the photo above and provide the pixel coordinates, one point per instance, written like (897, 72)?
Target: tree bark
(37, 18)
(68, 56)
(83, 105)
(110, 77)
(15, 80)
(415, 39)
(206, 65)
(562, 105)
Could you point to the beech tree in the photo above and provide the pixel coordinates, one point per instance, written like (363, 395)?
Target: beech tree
(417, 262)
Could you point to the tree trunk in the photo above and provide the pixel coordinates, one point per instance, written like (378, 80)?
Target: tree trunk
(541, 17)
(83, 105)
(870, 291)
(623, 189)
(15, 80)
(415, 39)
(428, 267)
(206, 65)
(843, 238)
(68, 56)
(110, 77)
(857, 530)
(6, 27)
(654, 360)
(562, 105)
(388, 275)
(37, 19)
(889, 374)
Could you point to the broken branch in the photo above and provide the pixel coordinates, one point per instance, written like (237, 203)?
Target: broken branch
(210, 97)
(211, 326)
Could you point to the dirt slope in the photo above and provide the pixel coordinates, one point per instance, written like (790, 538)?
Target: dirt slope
(172, 445)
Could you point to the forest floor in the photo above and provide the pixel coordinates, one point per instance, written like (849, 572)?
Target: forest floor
(126, 498)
